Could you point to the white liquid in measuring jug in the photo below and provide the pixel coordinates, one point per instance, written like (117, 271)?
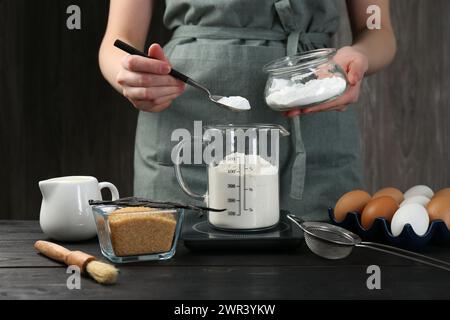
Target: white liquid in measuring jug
(247, 186)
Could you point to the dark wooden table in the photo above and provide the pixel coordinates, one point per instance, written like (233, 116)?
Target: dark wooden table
(217, 275)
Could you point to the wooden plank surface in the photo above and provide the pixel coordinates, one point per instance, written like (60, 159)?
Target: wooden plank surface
(296, 274)
(17, 251)
(253, 282)
(20, 230)
(21, 253)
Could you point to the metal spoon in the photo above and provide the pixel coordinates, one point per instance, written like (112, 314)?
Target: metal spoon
(176, 74)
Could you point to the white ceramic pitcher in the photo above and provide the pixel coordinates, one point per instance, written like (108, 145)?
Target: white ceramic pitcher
(65, 211)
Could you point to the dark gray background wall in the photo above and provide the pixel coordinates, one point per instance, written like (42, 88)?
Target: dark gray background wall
(59, 117)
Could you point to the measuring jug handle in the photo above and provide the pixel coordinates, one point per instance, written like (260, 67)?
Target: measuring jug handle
(179, 175)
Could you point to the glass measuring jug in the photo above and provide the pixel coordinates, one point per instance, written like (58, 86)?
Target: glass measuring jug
(242, 164)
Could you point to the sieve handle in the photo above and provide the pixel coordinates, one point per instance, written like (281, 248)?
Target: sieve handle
(298, 221)
(410, 255)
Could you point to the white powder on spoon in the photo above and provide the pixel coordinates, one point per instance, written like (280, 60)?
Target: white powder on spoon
(235, 102)
(288, 94)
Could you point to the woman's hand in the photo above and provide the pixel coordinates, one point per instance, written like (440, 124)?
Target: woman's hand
(147, 83)
(355, 64)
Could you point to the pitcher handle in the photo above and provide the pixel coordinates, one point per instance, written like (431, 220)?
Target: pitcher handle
(112, 188)
(179, 175)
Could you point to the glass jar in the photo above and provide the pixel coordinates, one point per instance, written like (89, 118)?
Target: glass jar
(132, 234)
(304, 80)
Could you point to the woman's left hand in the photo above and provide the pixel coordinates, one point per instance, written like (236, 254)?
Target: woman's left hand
(355, 64)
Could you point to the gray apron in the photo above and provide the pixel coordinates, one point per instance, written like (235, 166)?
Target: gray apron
(224, 45)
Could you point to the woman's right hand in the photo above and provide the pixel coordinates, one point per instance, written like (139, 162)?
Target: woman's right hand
(147, 83)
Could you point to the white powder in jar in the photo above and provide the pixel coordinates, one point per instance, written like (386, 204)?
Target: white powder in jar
(235, 102)
(285, 94)
(247, 186)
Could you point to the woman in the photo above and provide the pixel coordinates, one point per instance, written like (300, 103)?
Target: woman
(224, 45)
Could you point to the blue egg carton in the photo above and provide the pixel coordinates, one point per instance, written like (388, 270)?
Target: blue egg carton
(380, 231)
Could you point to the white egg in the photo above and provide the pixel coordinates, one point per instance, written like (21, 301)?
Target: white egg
(419, 190)
(416, 199)
(414, 214)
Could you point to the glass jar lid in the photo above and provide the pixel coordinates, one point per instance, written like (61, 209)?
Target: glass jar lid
(300, 61)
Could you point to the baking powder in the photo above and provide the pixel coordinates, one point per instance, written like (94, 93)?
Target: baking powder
(235, 102)
(285, 93)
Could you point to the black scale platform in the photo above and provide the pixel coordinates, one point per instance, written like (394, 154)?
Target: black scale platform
(197, 234)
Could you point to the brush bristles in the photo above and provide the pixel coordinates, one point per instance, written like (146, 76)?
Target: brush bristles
(102, 272)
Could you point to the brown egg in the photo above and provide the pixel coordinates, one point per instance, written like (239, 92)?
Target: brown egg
(353, 201)
(391, 192)
(439, 209)
(383, 207)
(442, 193)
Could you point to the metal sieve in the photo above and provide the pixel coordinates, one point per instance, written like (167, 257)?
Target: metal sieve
(333, 242)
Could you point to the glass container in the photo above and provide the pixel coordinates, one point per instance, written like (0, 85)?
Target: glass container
(304, 80)
(132, 234)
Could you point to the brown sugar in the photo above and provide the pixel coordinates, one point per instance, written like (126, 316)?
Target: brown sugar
(141, 230)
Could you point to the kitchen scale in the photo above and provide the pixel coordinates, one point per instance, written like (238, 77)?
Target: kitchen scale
(198, 234)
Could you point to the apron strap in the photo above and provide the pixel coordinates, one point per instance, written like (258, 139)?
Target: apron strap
(297, 37)
(298, 164)
(297, 40)
(210, 32)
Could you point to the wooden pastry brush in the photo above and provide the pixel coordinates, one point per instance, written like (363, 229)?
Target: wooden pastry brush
(101, 272)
